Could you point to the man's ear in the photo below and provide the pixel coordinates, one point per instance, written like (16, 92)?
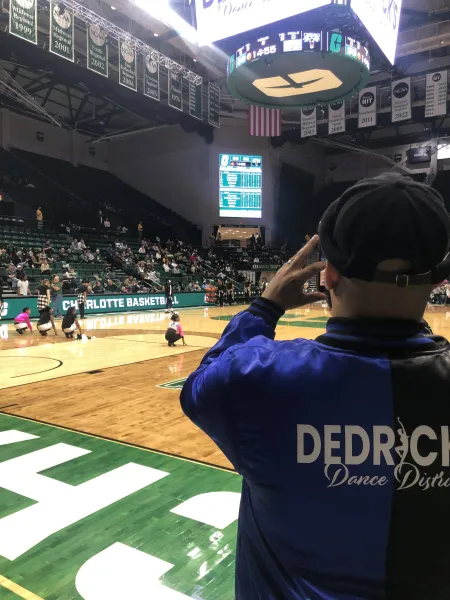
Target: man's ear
(332, 277)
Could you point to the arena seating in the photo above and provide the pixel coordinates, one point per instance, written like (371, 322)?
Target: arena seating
(77, 193)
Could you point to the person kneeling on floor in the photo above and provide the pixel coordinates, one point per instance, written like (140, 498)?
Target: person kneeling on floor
(22, 322)
(174, 331)
(70, 323)
(46, 321)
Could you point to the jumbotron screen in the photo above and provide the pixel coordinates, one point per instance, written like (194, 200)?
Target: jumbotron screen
(240, 186)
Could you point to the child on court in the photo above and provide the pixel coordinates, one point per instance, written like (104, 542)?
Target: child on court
(46, 321)
(174, 332)
(22, 322)
(70, 323)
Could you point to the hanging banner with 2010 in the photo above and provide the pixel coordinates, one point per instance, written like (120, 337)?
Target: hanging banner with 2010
(61, 31)
(23, 19)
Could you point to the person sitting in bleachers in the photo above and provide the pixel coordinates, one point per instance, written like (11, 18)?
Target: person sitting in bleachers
(111, 287)
(45, 267)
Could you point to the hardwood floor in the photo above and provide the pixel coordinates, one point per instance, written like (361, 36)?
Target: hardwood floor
(109, 386)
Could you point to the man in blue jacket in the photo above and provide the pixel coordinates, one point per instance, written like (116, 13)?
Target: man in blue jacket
(343, 442)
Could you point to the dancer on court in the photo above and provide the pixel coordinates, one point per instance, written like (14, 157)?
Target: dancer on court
(70, 323)
(174, 332)
(46, 321)
(22, 322)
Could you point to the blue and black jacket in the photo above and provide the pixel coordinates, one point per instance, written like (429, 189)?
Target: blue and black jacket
(343, 443)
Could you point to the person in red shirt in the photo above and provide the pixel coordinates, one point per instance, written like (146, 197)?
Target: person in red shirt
(22, 322)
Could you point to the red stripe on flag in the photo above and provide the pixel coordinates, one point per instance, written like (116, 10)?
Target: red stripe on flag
(264, 122)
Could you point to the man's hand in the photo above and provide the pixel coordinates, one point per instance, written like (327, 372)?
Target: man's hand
(286, 288)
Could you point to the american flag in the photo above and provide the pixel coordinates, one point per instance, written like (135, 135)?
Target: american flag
(264, 122)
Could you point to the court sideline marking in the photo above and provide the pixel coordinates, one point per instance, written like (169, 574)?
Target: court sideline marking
(18, 589)
(112, 440)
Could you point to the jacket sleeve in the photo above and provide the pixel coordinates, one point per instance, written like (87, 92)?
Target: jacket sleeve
(208, 393)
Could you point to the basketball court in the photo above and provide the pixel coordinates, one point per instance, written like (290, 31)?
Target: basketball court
(106, 489)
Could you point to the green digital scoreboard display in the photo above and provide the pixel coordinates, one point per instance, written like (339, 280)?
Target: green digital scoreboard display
(240, 186)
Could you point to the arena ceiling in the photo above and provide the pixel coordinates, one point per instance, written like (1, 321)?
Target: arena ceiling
(79, 99)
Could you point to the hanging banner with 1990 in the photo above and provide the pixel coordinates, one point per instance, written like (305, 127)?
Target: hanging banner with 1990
(151, 77)
(61, 31)
(23, 19)
(175, 91)
(127, 65)
(97, 50)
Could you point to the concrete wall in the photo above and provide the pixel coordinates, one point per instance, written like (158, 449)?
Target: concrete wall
(355, 166)
(181, 171)
(17, 131)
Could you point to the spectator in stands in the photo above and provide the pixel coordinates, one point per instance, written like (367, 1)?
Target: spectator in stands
(111, 287)
(47, 249)
(35, 262)
(11, 277)
(98, 256)
(81, 245)
(140, 230)
(166, 266)
(43, 299)
(45, 267)
(20, 273)
(23, 286)
(252, 241)
(56, 296)
(256, 260)
(62, 254)
(69, 278)
(142, 250)
(98, 288)
(39, 218)
(106, 225)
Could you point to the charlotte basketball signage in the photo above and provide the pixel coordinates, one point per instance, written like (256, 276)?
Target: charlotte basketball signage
(298, 69)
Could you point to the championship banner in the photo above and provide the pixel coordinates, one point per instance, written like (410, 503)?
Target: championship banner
(175, 91)
(367, 113)
(61, 31)
(151, 78)
(127, 66)
(308, 122)
(23, 19)
(196, 100)
(97, 50)
(336, 118)
(436, 94)
(401, 100)
(213, 104)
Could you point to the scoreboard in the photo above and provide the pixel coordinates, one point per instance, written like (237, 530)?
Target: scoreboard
(240, 185)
